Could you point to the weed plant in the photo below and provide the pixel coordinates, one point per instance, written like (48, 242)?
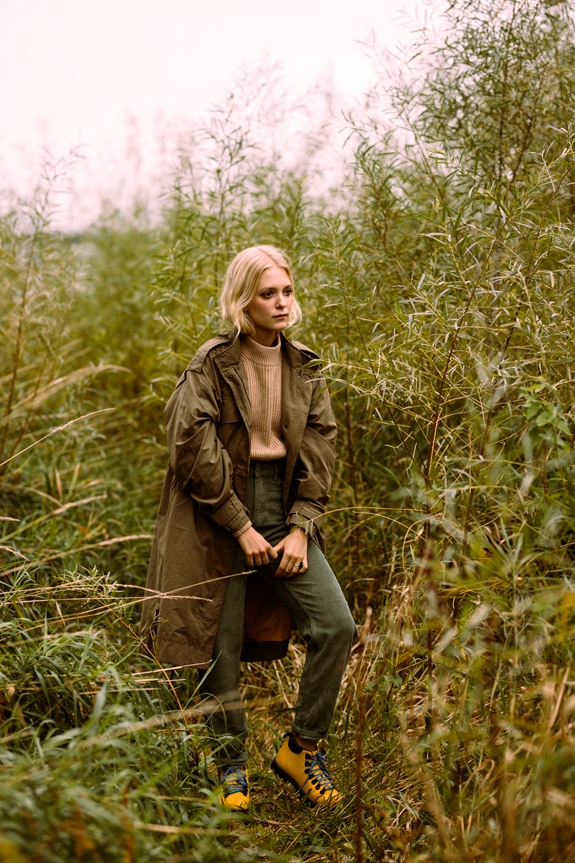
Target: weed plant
(440, 296)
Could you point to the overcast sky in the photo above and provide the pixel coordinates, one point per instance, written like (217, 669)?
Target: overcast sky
(86, 72)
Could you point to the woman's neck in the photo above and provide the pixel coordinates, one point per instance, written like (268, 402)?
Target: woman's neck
(266, 340)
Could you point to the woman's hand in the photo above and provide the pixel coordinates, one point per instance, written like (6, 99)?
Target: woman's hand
(294, 557)
(256, 549)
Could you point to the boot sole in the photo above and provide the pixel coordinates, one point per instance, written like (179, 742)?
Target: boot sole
(287, 778)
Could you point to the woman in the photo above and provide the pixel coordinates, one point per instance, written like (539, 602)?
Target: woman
(251, 453)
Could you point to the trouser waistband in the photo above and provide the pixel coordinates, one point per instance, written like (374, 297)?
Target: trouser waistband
(275, 468)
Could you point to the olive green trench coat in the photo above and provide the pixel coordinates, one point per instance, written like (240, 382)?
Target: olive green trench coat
(208, 423)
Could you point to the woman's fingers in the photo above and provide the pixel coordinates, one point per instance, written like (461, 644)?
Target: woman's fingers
(294, 554)
(266, 554)
(293, 549)
(256, 548)
(258, 558)
(291, 565)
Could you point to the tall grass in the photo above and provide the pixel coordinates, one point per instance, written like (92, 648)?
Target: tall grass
(440, 298)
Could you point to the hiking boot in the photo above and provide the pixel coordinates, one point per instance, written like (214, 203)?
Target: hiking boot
(307, 771)
(235, 792)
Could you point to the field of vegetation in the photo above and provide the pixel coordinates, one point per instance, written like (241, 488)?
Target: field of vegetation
(437, 280)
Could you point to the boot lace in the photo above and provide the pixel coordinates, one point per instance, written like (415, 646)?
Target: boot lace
(234, 779)
(318, 773)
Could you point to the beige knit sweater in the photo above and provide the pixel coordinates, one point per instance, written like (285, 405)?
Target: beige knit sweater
(264, 374)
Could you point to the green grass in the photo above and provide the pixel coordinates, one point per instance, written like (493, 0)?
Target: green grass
(437, 283)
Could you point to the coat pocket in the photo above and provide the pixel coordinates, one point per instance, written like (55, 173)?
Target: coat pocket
(230, 412)
(232, 432)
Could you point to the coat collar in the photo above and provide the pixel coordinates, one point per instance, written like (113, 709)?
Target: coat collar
(229, 351)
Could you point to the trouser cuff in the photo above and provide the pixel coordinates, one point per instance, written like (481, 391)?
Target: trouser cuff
(306, 735)
(223, 757)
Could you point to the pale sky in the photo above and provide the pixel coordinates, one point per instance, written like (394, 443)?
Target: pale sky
(104, 74)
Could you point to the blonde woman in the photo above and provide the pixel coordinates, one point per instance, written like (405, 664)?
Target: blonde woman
(251, 452)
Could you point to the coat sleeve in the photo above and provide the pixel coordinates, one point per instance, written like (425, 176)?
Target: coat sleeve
(201, 464)
(314, 467)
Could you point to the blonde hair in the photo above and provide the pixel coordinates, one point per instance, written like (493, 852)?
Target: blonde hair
(241, 283)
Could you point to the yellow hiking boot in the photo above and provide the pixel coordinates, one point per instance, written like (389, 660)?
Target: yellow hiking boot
(307, 771)
(235, 792)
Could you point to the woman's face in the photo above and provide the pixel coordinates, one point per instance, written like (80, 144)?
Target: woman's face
(271, 304)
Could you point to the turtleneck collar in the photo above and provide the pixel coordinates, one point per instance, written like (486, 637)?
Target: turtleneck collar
(259, 353)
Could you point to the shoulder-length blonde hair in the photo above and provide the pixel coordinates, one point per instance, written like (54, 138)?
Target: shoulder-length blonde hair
(241, 283)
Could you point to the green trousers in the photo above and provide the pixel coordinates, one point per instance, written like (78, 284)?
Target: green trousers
(319, 609)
